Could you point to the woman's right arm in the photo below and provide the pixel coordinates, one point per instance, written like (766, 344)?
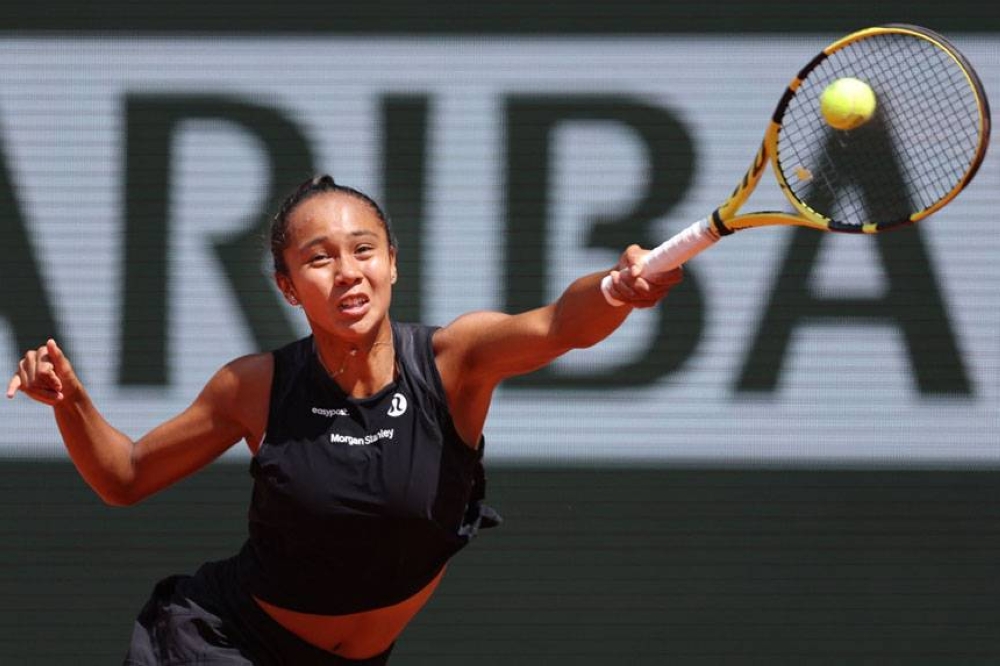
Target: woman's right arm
(232, 406)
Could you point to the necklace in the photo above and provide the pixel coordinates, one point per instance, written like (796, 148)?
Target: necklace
(351, 354)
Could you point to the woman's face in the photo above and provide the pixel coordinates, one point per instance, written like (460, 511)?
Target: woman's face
(341, 266)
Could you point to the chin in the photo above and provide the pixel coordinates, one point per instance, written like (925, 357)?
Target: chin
(360, 326)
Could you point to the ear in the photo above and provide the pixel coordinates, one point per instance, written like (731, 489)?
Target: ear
(287, 288)
(392, 265)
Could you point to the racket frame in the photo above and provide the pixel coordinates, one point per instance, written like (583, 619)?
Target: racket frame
(725, 220)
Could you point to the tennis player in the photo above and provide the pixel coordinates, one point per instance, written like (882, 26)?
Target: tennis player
(366, 439)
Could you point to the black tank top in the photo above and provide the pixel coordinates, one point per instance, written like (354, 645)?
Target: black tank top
(358, 503)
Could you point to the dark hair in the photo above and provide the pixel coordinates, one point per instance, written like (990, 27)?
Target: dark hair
(307, 190)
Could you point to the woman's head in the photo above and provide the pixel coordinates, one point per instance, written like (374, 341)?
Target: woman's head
(317, 185)
(334, 255)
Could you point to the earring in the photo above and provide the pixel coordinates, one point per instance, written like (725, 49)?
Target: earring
(292, 300)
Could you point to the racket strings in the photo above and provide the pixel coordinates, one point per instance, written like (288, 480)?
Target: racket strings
(944, 151)
(899, 186)
(917, 149)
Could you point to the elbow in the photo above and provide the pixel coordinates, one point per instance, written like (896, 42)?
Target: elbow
(120, 488)
(118, 502)
(120, 495)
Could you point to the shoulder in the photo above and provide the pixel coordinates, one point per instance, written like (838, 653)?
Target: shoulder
(239, 392)
(474, 345)
(461, 347)
(465, 330)
(250, 368)
(468, 391)
(243, 377)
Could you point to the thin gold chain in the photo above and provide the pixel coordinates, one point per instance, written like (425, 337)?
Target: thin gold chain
(350, 354)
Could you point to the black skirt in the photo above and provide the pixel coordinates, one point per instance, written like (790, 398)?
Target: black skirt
(209, 619)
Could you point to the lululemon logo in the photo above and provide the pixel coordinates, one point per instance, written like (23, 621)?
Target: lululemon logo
(398, 406)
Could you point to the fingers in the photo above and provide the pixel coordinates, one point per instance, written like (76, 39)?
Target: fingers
(58, 359)
(13, 386)
(623, 278)
(671, 278)
(626, 287)
(633, 260)
(38, 376)
(636, 293)
(630, 285)
(20, 379)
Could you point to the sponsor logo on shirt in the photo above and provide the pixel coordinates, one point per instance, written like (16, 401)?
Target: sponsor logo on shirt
(398, 405)
(367, 440)
(329, 413)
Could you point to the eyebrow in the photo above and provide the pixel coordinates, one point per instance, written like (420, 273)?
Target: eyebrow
(319, 240)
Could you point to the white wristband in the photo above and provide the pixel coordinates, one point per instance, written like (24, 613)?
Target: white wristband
(694, 239)
(606, 283)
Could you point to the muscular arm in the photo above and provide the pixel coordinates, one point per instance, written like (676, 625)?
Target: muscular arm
(479, 350)
(493, 346)
(232, 405)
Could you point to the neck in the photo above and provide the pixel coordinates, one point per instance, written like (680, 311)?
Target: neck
(360, 367)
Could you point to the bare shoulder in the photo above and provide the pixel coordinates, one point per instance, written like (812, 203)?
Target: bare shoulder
(242, 388)
(479, 350)
(252, 368)
(459, 346)
(465, 330)
(468, 390)
(242, 377)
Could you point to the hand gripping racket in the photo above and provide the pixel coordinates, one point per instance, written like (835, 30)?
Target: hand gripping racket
(931, 118)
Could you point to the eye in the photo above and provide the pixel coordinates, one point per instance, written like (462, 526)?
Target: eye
(364, 249)
(318, 258)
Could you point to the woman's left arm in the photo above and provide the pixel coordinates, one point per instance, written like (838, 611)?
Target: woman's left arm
(480, 349)
(491, 346)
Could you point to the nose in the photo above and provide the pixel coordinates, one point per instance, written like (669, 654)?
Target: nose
(348, 270)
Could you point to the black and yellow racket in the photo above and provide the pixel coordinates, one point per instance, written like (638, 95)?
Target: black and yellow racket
(882, 128)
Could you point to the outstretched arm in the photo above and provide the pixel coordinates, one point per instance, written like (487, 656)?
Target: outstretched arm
(479, 350)
(121, 471)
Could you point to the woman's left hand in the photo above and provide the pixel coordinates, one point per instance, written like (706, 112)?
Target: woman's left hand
(628, 284)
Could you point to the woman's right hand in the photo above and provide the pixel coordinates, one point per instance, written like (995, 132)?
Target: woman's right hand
(45, 375)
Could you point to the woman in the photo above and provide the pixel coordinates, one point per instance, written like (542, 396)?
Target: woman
(366, 439)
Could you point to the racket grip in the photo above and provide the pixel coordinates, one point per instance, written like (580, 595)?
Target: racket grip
(669, 255)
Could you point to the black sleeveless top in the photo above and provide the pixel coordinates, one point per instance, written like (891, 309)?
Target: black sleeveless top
(358, 503)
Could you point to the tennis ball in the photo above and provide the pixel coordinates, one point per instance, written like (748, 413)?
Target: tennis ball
(847, 103)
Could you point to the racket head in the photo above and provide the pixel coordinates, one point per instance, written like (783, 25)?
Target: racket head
(921, 148)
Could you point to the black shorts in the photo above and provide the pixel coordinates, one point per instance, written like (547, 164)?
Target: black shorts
(209, 619)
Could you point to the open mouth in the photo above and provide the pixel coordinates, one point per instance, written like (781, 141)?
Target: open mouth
(352, 303)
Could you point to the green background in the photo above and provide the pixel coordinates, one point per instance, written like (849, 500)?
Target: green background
(681, 566)
(648, 566)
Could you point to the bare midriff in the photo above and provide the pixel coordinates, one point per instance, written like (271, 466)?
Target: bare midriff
(354, 635)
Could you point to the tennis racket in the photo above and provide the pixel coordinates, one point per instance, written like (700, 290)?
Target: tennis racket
(931, 117)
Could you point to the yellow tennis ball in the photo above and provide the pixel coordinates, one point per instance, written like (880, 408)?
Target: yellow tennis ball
(847, 103)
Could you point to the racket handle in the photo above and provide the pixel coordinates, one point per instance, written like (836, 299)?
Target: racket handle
(669, 255)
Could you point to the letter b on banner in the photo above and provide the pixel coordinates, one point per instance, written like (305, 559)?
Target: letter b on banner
(531, 122)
